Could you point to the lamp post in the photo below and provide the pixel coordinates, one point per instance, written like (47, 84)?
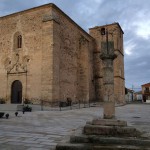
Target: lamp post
(107, 56)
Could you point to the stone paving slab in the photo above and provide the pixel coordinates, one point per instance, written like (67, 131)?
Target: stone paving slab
(42, 130)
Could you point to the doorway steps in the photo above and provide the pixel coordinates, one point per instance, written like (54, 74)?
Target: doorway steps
(8, 107)
(17, 107)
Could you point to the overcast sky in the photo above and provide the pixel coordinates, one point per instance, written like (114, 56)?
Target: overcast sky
(132, 15)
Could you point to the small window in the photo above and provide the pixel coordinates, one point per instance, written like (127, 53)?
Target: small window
(19, 41)
(146, 89)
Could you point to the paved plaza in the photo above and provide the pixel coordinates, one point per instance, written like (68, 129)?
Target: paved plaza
(42, 130)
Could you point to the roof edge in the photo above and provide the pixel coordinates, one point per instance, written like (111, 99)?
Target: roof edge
(145, 84)
(53, 6)
(27, 10)
(115, 23)
(79, 27)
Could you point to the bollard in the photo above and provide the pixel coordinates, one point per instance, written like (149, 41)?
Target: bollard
(41, 105)
(84, 103)
(70, 106)
(16, 113)
(7, 116)
(79, 104)
(60, 106)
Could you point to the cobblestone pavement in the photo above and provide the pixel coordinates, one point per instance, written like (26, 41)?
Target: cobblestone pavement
(42, 130)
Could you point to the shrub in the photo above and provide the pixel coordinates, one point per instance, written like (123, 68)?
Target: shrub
(2, 101)
(27, 108)
(1, 114)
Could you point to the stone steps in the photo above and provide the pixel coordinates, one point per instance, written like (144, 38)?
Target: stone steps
(111, 131)
(17, 107)
(106, 134)
(108, 122)
(69, 146)
(109, 140)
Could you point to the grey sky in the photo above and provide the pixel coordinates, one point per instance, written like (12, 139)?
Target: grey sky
(132, 15)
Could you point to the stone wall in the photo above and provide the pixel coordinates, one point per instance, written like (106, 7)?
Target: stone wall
(75, 59)
(33, 59)
(57, 59)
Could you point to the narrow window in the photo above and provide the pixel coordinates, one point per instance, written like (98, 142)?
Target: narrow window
(146, 89)
(19, 41)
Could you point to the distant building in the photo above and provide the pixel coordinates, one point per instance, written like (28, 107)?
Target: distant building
(146, 92)
(138, 96)
(129, 94)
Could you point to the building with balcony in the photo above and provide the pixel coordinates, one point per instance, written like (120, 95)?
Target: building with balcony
(146, 92)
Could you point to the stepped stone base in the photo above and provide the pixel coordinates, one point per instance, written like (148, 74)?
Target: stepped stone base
(109, 140)
(68, 146)
(108, 122)
(106, 134)
(110, 127)
(111, 131)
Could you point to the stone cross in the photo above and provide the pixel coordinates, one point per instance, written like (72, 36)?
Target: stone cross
(108, 57)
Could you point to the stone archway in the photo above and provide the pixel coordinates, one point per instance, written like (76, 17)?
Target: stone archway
(16, 92)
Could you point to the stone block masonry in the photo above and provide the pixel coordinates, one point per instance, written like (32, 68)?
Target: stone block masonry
(56, 59)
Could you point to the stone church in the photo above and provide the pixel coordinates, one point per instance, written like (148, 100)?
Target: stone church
(45, 55)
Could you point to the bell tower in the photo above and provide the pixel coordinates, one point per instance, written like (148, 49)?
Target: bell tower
(102, 42)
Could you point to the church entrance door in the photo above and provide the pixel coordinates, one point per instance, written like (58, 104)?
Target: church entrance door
(16, 92)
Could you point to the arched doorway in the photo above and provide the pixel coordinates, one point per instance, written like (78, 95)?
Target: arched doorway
(16, 92)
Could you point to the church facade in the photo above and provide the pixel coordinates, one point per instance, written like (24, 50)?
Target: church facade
(45, 55)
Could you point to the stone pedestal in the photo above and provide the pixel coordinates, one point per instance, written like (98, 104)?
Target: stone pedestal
(108, 122)
(109, 110)
(106, 134)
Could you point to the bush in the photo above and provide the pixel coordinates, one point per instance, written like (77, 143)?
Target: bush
(27, 108)
(2, 101)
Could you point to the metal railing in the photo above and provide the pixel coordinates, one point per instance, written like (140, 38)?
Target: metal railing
(66, 105)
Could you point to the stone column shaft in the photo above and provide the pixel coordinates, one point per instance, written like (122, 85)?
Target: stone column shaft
(108, 83)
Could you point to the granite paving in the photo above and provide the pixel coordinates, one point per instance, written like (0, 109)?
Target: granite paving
(42, 130)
